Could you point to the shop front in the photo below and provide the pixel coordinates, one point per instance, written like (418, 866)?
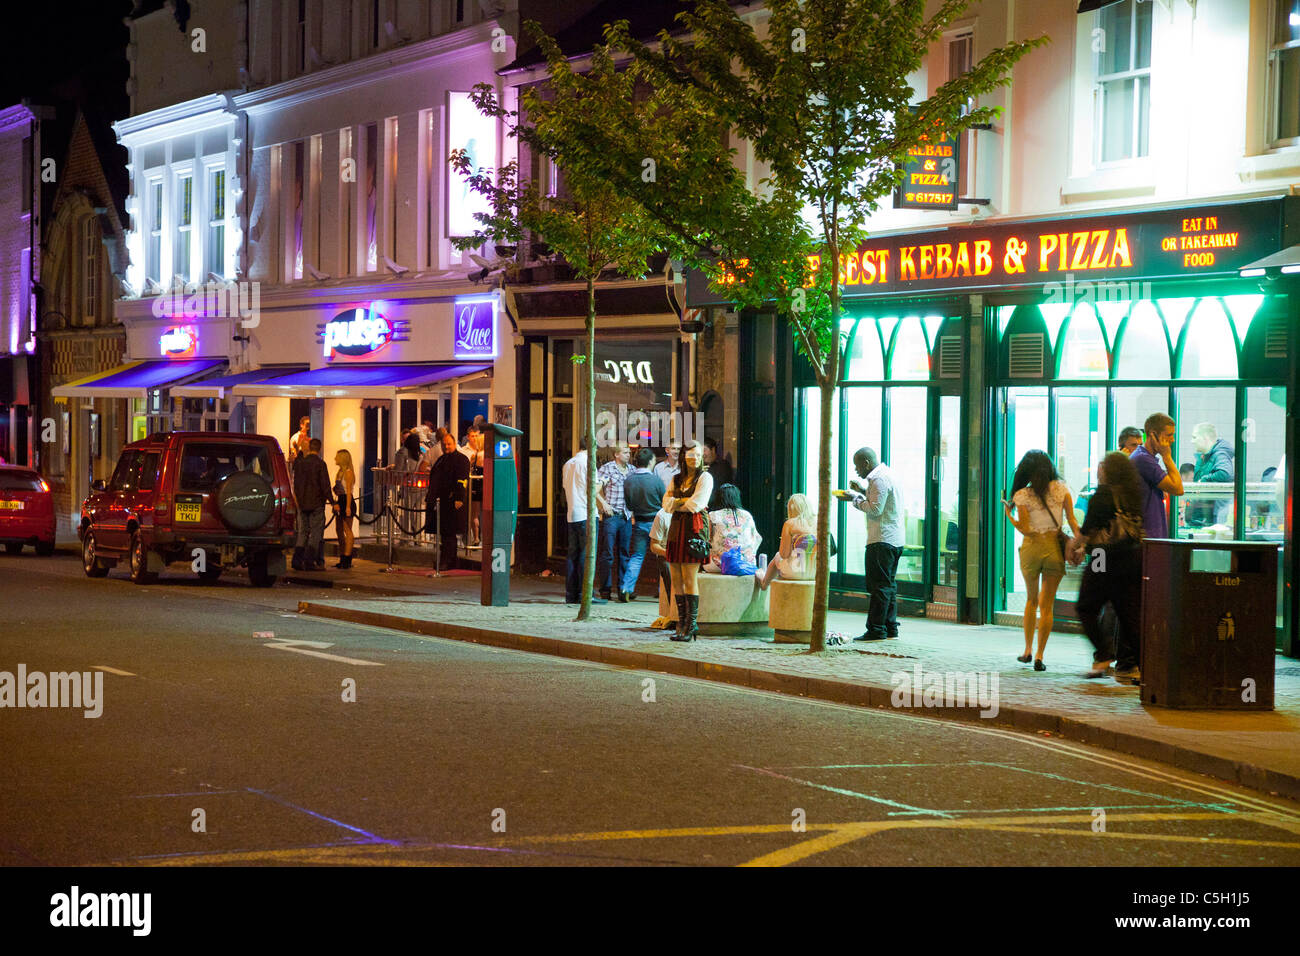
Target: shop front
(363, 369)
(642, 382)
(967, 347)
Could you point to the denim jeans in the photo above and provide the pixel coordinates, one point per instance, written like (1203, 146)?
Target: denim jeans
(615, 536)
(640, 531)
(311, 529)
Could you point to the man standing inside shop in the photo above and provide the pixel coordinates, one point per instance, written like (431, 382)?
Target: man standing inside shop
(1213, 463)
(615, 528)
(881, 500)
(448, 487)
(311, 486)
(1155, 464)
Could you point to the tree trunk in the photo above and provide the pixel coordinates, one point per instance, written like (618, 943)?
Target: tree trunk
(589, 430)
(826, 504)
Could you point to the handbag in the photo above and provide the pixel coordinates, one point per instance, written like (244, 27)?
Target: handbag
(698, 544)
(733, 562)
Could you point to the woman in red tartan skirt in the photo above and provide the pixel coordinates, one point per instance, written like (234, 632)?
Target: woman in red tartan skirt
(688, 501)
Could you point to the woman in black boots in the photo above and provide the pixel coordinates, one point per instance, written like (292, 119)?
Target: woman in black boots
(345, 507)
(687, 500)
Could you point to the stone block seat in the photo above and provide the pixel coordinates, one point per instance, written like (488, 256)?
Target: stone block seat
(791, 611)
(730, 606)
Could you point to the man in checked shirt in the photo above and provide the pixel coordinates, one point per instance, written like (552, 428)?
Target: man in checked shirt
(615, 522)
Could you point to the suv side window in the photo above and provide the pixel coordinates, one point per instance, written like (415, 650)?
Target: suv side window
(122, 473)
(149, 471)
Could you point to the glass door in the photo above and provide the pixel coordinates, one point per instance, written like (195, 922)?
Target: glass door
(1023, 428)
(1080, 445)
(910, 462)
(947, 505)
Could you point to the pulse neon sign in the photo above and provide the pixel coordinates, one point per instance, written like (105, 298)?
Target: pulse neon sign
(356, 332)
(181, 341)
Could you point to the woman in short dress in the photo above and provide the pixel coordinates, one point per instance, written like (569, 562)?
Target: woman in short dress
(797, 559)
(1039, 498)
(345, 508)
(687, 500)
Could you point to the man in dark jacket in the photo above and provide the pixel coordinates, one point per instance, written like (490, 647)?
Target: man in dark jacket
(448, 487)
(311, 486)
(643, 496)
(1214, 462)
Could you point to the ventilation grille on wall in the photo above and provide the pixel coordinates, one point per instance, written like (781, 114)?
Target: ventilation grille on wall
(1275, 337)
(949, 356)
(1025, 355)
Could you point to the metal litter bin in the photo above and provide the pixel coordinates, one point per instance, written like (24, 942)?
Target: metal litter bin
(1209, 613)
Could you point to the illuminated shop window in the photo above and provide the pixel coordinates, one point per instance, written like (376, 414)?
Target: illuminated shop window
(1142, 349)
(1123, 89)
(1083, 348)
(864, 361)
(911, 359)
(1209, 351)
(1284, 70)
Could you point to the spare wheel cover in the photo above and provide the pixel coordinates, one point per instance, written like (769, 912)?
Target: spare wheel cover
(245, 501)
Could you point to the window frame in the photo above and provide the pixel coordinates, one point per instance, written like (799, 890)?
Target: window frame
(1134, 76)
(1275, 49)
(89, 270)
(155, 212)
(182, 172)
(211, 220)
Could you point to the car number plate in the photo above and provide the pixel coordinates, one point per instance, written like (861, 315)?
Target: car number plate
(11, 505)
(189, 511)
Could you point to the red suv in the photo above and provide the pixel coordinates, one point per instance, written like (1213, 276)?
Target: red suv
(26, 510)
(175, 494)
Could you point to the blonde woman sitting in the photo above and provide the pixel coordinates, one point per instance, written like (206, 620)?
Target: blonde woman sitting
(797, 559)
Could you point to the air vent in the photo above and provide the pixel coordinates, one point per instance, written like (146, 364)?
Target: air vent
(949, 356)
(1275, 337)
(1025, 355)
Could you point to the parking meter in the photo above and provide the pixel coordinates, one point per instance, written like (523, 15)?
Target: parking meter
(500, 507)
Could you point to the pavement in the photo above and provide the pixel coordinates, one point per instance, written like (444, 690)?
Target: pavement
(1259, 750)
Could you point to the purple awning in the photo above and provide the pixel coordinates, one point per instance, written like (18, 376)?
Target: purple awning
(363, 381)
(136, 379)
(218, 387)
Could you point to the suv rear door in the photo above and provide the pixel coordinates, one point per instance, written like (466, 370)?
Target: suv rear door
(202, 464)
(110, 517)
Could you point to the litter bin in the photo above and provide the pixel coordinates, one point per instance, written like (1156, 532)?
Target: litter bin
(1209, 612)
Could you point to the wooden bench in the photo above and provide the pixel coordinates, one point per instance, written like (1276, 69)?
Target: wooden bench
(730, 606)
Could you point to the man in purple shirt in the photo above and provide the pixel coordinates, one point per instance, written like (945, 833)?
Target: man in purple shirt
(1155, 465)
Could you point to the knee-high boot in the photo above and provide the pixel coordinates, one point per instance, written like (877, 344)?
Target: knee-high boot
(681, 618)
(692, 613)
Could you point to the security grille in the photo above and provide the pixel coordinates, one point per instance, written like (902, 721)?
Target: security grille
(1275, 337)
(949, 356)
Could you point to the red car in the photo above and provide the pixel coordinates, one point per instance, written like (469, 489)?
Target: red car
(26, 510)
(212, 500)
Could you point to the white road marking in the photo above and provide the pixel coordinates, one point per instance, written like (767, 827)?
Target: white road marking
(301, 647)
(111, 670)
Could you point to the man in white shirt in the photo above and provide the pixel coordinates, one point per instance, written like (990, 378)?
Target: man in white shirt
(881, 500)
(575, 493)
(669, 466)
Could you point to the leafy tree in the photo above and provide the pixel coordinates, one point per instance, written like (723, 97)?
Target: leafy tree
(593, 228)
(820, 91)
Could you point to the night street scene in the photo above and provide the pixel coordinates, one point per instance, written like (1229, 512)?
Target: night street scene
(678, 433)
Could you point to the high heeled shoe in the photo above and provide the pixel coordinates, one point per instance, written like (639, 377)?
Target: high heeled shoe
(1039, 665)
(1025, 658)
